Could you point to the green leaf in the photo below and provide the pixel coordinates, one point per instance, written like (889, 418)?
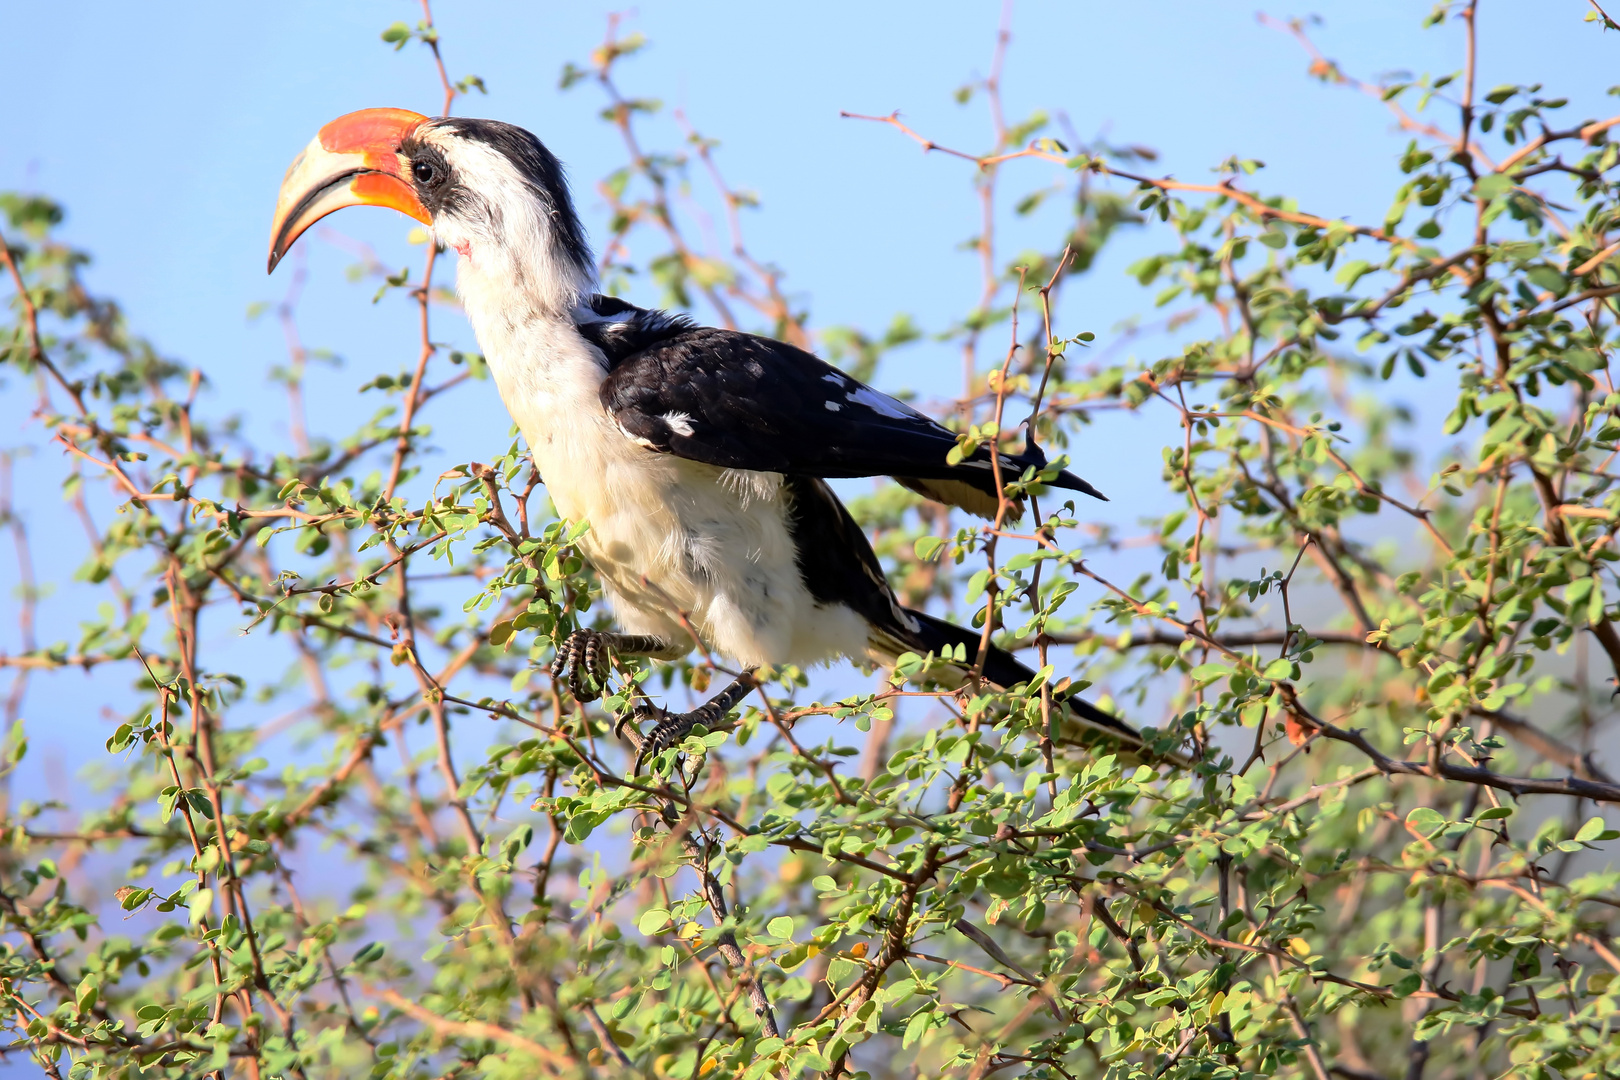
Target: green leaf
(1548, 279)
(1352, 272)
(397, 35)
(1492, 185)
(1282, 669)
(370, 951)
(1593, 830)
(1426, 821)
(919, 1024)
(652, 921)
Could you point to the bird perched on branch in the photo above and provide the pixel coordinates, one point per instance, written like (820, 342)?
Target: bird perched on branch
(699, 457)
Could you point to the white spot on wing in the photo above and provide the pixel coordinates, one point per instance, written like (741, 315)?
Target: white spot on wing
(833, 406)
(639, 440)
(905, 617)
(883, 404)
(680, 423)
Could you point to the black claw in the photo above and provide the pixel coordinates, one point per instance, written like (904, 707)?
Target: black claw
(669, 731)
(593, 658)
(580, 659)
(671, 728)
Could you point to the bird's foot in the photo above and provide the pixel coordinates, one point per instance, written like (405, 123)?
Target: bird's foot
(581, 659)
(670, 728)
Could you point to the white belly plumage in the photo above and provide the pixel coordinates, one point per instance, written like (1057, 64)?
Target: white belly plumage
(665, 536)
(672, 538)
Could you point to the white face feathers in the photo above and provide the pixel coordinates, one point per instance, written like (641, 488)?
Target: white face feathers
(500, 201)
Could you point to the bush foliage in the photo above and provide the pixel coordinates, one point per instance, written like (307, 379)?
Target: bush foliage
(1385, 636)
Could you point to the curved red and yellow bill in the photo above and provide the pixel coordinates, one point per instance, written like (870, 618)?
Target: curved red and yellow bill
(353, 161)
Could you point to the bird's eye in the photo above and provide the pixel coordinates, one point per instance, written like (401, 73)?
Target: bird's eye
(423, 172)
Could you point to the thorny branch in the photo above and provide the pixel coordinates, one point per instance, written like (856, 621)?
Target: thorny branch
(984, 888)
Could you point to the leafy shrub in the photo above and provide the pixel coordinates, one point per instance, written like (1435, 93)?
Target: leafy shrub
(1387, 647)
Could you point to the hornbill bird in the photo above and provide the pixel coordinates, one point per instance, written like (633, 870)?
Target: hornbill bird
(699, 456)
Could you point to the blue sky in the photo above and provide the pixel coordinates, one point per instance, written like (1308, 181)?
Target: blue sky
(165, 131)
(166, 134)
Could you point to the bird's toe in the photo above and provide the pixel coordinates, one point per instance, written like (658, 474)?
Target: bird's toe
(669, 730)
(579, 661)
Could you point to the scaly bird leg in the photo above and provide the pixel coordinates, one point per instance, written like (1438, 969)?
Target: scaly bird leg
(582, 658)
(671, 728)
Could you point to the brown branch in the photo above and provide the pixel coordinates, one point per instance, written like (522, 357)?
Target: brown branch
(472, 1029)
(1595, 790)
(726, 942)
(1225, 189)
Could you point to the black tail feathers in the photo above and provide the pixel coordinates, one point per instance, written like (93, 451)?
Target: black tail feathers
(1034, 455)
(936, 635)
(1004, 670)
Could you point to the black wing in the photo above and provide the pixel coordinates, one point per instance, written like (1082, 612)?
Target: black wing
(744, 402)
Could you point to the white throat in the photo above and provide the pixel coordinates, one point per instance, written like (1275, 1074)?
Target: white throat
(502, 284)
(522, 315)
